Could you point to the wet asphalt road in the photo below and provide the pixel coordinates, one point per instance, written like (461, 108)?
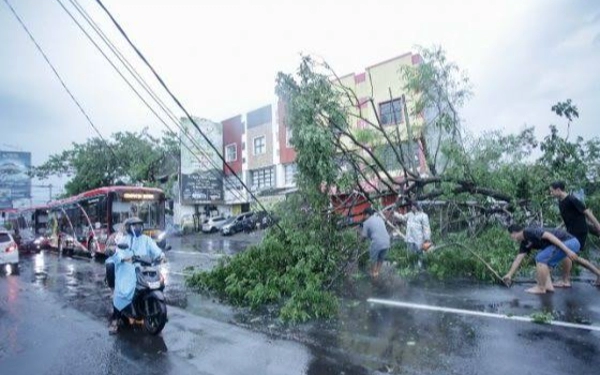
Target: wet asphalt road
(54, 314)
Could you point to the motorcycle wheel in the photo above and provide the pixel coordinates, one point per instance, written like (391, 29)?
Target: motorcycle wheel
(156, 322)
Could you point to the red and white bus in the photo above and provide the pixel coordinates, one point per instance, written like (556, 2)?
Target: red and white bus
(91, 221)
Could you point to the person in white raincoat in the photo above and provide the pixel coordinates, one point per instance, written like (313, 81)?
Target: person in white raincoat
(418, 230)
(138, 244)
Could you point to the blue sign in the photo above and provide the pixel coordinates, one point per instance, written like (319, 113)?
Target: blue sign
(15, 183)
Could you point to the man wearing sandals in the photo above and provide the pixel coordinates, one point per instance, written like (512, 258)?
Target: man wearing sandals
(554, 245)
(575, 215)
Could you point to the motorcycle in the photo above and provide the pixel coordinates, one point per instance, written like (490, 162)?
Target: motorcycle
(149, 307)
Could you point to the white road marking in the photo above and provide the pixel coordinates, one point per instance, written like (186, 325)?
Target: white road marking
(180, 273)
(210, 255)
(477, 313)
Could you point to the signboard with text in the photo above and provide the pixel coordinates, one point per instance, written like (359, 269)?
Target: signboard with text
(201, 167)
(15, 183)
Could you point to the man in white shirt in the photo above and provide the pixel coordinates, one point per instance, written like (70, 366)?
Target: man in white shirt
(418, 230)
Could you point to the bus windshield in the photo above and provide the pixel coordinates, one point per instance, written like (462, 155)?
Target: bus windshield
(125, 206)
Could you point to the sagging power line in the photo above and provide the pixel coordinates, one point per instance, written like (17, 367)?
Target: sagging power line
(176, 100)
(146, 87)
(62, 82)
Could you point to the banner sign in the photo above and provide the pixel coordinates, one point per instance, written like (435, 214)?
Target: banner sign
(201, 167)
(14, 181)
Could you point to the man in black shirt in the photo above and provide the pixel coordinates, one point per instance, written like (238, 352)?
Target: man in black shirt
(555, 245)
(574, 214)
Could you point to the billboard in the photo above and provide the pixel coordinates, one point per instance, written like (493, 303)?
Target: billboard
(201, 167)
(14, 181)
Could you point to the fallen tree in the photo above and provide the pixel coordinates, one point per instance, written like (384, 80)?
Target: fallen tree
(482, 184)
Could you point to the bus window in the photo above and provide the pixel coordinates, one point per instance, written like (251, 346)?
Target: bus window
(120, 212)
(147, 210)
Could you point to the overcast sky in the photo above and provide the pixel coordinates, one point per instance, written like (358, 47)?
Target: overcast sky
(221, 58)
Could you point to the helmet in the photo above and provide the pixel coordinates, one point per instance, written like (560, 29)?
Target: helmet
(131, 221)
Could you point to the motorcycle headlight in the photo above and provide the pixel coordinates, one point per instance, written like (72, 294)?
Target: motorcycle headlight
(161, 236)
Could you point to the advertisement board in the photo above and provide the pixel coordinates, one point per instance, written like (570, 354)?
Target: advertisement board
(14, 181)
(201, 167)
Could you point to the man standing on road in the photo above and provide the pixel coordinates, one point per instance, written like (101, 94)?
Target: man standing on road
(574, 214)
(418, 230)
(374, 229)
(555, 245)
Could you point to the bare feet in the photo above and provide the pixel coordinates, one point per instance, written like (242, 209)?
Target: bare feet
(562, 284)
(536, 290)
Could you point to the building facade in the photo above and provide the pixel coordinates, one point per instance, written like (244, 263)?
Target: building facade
(258, 145)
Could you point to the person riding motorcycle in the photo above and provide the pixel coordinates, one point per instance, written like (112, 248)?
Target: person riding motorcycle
(138, 244)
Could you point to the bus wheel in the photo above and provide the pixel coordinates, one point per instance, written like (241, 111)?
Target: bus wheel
(93, 248)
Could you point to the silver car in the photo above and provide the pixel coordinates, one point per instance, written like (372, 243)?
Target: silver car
(9, 251)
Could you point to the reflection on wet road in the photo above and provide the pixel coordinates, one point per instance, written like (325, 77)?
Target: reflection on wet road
(54, 314)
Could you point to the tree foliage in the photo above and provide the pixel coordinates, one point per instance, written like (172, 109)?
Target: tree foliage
(126, 157)
(482, 182)
(298, 268)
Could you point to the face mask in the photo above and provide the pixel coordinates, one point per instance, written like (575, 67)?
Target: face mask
(137, 232)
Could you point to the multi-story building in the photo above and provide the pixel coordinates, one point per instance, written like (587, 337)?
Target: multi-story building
(234, 151)
(380, 98)
(286, 169)
(257, 145)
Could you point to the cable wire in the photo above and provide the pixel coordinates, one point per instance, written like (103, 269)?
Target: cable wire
(62, 82)
(232, 187)
(176, 100)
(145, 86)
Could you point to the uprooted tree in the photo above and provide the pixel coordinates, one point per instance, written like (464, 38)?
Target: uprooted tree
(480, 181)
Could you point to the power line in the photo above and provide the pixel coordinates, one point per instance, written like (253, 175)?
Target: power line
(174, 98)
(145, 86)
(55, 71)
(64, 85)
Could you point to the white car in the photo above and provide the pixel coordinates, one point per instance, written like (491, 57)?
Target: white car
(9, 251)
(214, 224)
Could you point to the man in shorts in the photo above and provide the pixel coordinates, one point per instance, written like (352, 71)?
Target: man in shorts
(575, 216)
(554, 245)
(374, 229)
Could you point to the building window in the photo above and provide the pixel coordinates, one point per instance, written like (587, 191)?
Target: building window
(262, 178)
(231, 152)
(390, 112)
(290, 174)
(288, 137)
(260, 145)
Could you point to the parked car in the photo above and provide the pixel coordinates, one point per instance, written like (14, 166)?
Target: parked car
(264, 220)
(9, 251)
(214, 224)
(236, 225)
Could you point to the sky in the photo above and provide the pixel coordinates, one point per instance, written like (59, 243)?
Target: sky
(221, 59)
